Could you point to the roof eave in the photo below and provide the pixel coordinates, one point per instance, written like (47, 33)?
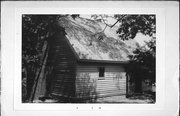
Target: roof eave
(102, 61)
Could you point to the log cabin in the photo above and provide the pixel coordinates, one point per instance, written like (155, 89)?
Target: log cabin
(89, 60)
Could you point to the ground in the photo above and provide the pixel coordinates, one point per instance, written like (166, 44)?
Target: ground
(122, 99)
(136, 99)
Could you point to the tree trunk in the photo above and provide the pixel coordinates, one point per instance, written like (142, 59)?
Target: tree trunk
(39, 85)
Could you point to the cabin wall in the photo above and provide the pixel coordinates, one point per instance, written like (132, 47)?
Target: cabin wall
(63, 76)
(130, 85)
(89, 84)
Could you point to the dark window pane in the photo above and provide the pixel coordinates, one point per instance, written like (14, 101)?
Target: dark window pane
(101, 71)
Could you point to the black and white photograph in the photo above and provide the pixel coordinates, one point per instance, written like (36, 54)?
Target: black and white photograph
(89, 58)
(93, 58)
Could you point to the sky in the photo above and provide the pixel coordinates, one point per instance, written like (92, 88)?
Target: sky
(140, 38)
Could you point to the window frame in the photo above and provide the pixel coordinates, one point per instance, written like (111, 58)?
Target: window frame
(101, 71)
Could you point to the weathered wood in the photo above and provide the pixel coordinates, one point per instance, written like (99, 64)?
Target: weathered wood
(113, 83)
(63, 82)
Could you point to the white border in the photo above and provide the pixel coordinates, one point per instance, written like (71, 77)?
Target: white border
(167, 63)
(159, 69)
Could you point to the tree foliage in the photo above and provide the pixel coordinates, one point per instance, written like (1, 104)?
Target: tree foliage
(142, 62)
(34, 34)
(130, 25)
(36, 30)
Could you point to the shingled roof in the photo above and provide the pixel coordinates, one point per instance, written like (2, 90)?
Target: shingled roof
(91, 43)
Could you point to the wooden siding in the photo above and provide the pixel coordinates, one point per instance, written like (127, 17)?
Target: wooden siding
(63, 82)
(88, 83)
(94, 68)
(114, 84)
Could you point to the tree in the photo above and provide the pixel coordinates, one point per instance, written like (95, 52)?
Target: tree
(142, 63)
(35, 31)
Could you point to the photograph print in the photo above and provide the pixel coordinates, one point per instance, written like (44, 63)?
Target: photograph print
(93, 58)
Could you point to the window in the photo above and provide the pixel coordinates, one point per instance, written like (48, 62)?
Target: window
(101, 71)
